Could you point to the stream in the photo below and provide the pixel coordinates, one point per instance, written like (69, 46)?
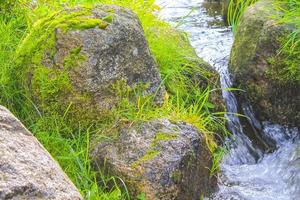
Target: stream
(248, 172)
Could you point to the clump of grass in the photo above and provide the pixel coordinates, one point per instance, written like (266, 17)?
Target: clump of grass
(217, 157)
(287, 60)
(191, 109)
(236, 9)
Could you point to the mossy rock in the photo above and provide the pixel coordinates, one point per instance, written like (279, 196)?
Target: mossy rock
(161, 159)
(73, 59)
(261, 71)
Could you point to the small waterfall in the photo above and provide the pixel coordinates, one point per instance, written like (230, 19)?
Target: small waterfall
(263, 161)
(241, 147)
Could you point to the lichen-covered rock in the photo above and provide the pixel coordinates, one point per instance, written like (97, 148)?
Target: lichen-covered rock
(260, 71)
(161, 159)
(80, 54)
(27, 171)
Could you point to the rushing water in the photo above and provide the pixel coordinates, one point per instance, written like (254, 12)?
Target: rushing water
(247, 171)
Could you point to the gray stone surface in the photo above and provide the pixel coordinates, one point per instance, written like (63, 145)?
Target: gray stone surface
(27, 171)
(118, 52)
(161, 159)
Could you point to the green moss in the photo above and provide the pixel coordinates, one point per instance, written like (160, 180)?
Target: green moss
(74, 59)
(252, 88)
(176, 176)
(86, 23)
(42, 36)
(108, 19)
(148, 156)
(49, 84)
(161, 136)
(165, 136)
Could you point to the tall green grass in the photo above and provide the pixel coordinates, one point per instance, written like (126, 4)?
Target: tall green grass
(236, 9)
(69, 144)
(71, 149)
(287, 60)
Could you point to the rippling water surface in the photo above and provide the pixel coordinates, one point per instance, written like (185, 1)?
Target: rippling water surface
(247, 173)
(202, 20)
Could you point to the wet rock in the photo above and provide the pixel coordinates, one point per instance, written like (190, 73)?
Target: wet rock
(27, 171)
(274, 96)
(161, 159)
(277, 134)
(225, 5)
(86, 54)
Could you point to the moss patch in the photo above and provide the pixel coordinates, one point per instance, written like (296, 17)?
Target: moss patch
(161, 136)
(176, 176)
(74, 59)
(148, 156)
(108, 18)
(85, 23)
(44, 29)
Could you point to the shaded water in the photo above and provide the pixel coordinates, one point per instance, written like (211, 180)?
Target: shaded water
(247, 172)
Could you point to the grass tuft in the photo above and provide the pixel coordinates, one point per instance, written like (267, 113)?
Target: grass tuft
(236, 9)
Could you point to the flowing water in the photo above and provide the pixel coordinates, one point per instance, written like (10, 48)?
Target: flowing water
(248, 171)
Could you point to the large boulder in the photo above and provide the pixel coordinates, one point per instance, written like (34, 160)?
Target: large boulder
(82, 55)
(161, 159)
(27, 170)
(260, 71)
